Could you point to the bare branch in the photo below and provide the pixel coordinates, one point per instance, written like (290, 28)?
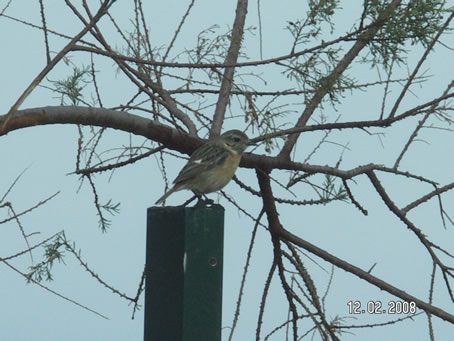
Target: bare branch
(101, 11)
(42, 202)
(418, 66)
(231, 58)
(327, 82)
(52, 291)
(286, 235)
(243, 281)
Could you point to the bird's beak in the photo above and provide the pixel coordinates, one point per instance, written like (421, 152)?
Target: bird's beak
(251, 144)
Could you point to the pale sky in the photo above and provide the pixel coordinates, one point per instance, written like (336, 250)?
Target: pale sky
(28, 312)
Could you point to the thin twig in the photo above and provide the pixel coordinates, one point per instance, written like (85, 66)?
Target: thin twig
(101, 11)
(243, 280)
(53, 291)
(46, 40)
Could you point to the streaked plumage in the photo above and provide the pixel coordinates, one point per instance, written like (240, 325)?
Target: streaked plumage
(212, 165)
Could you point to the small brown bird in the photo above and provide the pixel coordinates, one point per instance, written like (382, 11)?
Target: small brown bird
(212, 165)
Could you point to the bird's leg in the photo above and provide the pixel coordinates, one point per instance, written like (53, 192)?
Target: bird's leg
(203, 200)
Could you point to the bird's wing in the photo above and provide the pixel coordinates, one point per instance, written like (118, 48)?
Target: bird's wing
(204, 158)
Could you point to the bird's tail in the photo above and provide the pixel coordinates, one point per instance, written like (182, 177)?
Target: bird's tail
(166, 194)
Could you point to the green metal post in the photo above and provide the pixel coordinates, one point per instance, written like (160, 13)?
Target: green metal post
(184, 262)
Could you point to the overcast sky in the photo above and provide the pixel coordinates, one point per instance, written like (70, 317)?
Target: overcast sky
(48, 153)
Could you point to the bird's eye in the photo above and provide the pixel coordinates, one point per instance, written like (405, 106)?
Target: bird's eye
(236, 139)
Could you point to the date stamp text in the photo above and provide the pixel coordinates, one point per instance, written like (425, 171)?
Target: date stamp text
(377, 307)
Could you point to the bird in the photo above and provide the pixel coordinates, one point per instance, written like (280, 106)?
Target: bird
(212, 165)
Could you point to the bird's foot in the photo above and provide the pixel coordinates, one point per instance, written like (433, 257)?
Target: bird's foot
(203, 200)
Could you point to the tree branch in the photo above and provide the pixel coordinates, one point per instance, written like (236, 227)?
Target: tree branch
(173, 138)
(232, 57)
(273, 219)
(50, 65)
(327, 82)
(103, 117)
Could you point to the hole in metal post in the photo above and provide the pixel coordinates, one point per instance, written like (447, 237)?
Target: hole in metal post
(213, 261)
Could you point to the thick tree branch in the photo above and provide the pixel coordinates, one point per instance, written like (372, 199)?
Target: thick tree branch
(154, 130)
(232, 57)
(274, 227)
(172, 138)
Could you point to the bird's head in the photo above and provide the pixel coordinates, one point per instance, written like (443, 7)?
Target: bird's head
(236, 140)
